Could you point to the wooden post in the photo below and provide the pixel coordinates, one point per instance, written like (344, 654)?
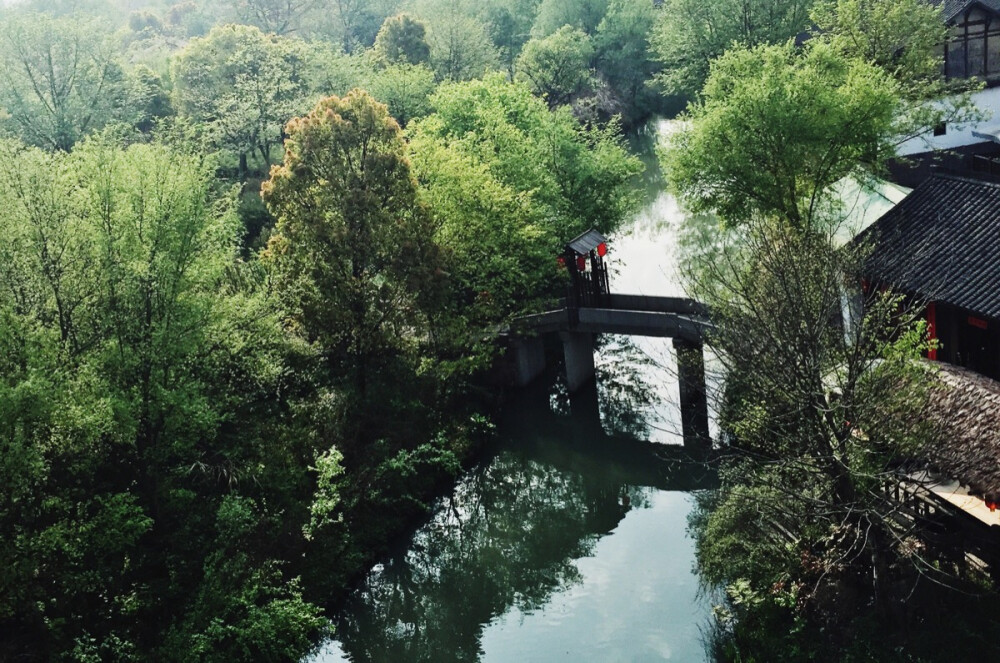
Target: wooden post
(694, 399)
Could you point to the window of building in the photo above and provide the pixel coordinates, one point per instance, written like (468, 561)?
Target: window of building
(941, 129)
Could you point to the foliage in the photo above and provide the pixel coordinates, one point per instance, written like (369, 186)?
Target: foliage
(354, 24)
(243, 85)
(61, 78)
(405, 89)
(789, 125)
(820, 418)
(690, 34)
(460, 48)
(274, 16)
(539, 180)
(903, 37)
(353, 255)
(509, 25)
(624, 57)
(138, 360)
(584, 15)
(402, 40)
(148, 100)
(557, 66)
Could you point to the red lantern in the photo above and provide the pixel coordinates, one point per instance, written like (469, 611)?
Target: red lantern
(991, 505)
(562, 262)
(602, 249)
(581, 263)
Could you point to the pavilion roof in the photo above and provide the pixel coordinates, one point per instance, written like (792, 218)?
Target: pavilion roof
(587, 242)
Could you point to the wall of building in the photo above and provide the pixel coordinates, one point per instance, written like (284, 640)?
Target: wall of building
(959, 136)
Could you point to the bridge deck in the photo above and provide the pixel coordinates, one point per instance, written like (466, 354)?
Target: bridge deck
(635, 315)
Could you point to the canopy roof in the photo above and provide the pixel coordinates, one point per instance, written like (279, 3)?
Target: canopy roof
(991, 133)
(586, 242)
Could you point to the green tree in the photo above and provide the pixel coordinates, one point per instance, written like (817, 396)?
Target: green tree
(61, 78)
(149, 101)
(136, 348)
(790, 123)
(539, 178)
(460, 47)
(819, 418)
(355, 23)
(274, 16)
(244, 85)
(405, 89)
(584, 15)
(624, 57)
(509, 25)
(903, 37)
(557, 66)
(353, 251)
(690, 34)
(402, 40)
(819, 413)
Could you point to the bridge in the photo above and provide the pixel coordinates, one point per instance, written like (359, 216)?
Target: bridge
(591, 308)
(684, 320)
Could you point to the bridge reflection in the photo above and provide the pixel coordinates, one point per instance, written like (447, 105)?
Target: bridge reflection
(508, 539)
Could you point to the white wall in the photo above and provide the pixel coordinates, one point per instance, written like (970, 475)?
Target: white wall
(956, 136)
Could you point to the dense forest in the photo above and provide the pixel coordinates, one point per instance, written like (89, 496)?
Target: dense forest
(255, 252)
(244, 315)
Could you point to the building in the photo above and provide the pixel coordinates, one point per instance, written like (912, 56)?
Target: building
(972, 50)
(941, 247)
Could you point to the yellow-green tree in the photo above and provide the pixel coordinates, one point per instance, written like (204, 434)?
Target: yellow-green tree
(352, 253)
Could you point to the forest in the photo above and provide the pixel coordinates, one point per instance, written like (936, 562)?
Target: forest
(255, 253)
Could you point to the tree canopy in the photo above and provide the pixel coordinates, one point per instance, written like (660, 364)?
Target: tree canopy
(243, 85)
(353, 250)
(690, 34)
(62, 78)
(548, 179)
(557, 66)
(776, 126)
(402, 39)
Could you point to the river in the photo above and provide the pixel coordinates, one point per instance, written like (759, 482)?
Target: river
(568, 541)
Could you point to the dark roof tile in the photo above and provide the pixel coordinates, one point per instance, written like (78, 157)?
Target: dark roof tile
(942, 242)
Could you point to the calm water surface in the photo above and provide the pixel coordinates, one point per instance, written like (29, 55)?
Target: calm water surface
(568, 542)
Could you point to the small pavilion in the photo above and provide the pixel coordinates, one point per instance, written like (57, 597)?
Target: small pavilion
(583, 257)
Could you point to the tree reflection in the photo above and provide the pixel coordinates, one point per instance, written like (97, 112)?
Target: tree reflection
(509, 536)
(628, 395)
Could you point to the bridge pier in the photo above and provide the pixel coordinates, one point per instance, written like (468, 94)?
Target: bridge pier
(528, 355)
(693, 392)
(578, 353)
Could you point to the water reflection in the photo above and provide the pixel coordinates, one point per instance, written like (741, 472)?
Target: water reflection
(513, 535)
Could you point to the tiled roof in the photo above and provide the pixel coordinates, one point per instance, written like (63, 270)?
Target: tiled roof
(952, 8)
(942, 243)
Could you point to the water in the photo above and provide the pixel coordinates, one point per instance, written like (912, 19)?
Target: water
(568, 542)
